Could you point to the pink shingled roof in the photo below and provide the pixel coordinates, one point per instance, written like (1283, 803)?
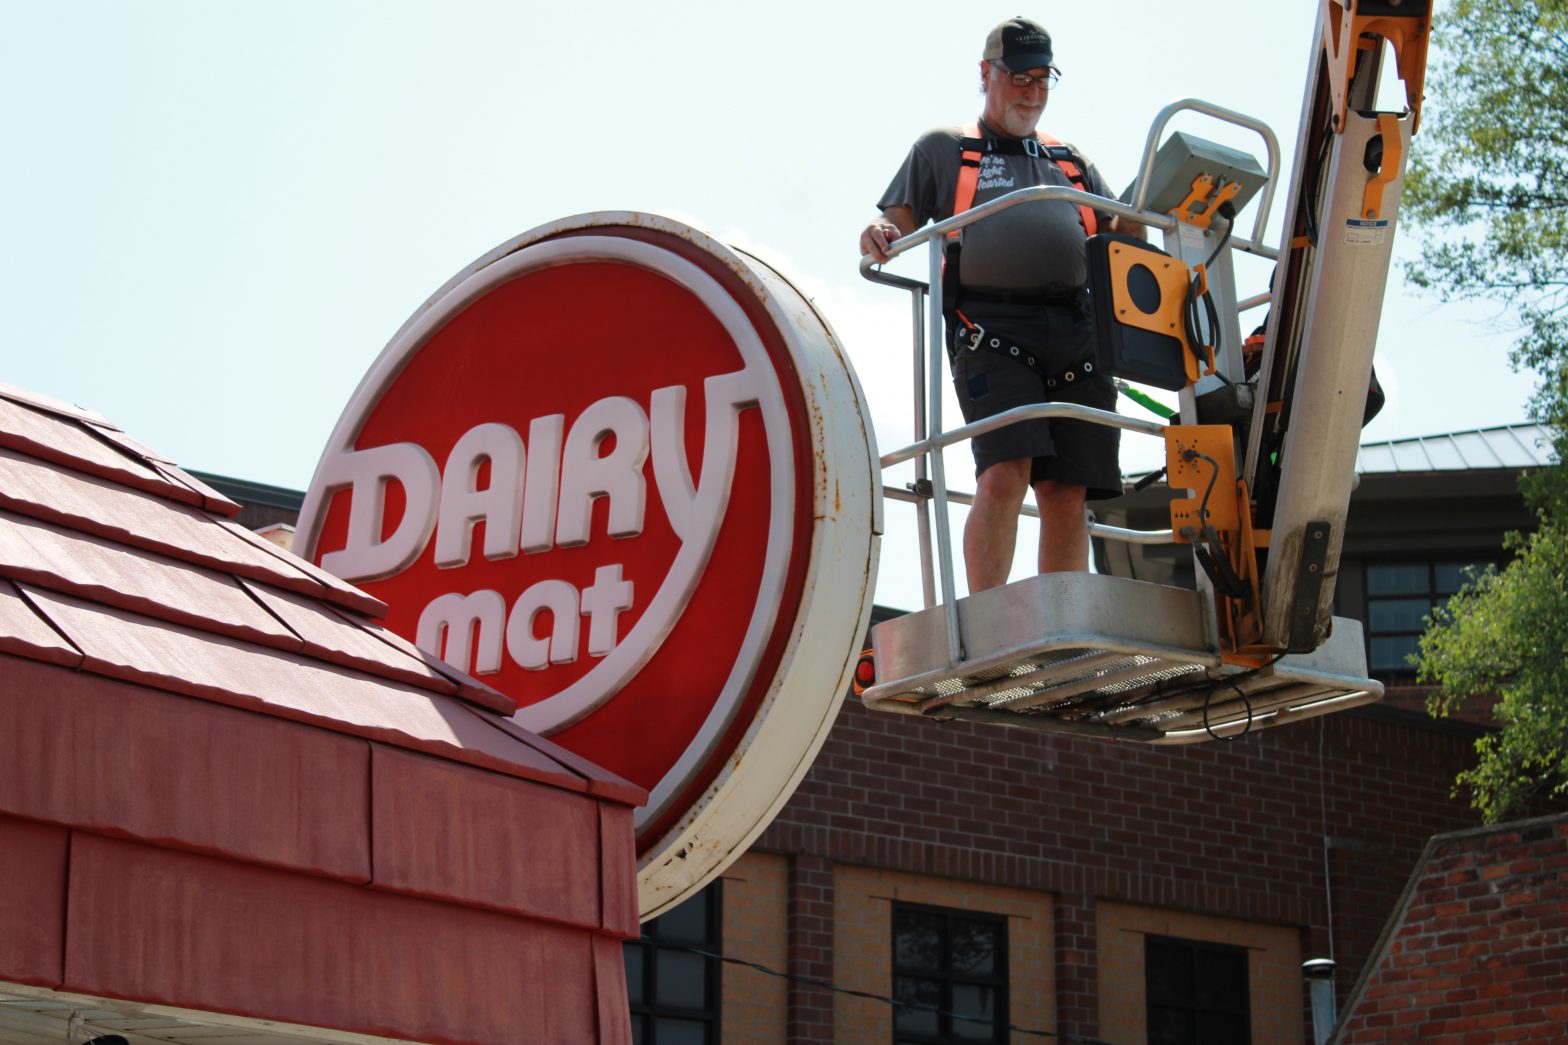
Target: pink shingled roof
(114, 560)
(224, 787)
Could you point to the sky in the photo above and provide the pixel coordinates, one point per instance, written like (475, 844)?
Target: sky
(214, 215)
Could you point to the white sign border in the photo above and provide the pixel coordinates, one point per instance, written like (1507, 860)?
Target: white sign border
(802, 700)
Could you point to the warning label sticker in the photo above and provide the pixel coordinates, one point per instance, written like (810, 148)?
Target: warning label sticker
(1366, 233)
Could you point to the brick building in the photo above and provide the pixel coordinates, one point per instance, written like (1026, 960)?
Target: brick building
(1477, 949)
(1095, 890)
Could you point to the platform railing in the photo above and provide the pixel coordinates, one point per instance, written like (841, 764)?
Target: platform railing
(935, 527)
(1270, 143)
(929, 343)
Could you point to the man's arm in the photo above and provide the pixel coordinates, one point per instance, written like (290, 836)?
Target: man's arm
(895, 222)
(1116, 223)
(1128, 227)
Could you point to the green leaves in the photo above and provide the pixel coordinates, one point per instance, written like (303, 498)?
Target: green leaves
(1488, 181)
(1488, 187)
(1507, 634)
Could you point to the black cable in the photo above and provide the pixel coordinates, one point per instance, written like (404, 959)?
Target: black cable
(1147, 481)
(1190, 455)
(1206, 546)
(1235, 682)
(1209, 697)
(1228, 212)
(1190, 311)
(1309, 198)
(884, 999)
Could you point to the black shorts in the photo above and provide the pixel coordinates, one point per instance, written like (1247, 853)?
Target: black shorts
(990, 381)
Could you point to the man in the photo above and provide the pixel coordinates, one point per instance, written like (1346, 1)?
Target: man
(1019, 331)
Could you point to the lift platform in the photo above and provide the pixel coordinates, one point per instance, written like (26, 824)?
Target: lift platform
(1108, 657)
(1260, 453)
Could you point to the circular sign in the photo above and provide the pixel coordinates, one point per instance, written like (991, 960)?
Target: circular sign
(625, 475)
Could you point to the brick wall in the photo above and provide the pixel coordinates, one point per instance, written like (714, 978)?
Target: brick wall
(1234, 830)
(809, 902)
(755, 1005)
(1479, 953)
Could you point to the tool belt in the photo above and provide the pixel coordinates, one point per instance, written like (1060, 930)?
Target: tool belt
(969, 336)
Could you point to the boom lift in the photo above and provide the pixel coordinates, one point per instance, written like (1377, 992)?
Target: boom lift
(1264, 448)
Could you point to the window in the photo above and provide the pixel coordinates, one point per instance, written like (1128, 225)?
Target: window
(674, 993)
(1400, 595)
(949, 976)
(1196, 993)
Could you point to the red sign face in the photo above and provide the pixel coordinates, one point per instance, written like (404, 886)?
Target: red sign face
(585, 475)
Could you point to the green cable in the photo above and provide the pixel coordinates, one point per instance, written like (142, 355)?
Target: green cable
(1149, 403)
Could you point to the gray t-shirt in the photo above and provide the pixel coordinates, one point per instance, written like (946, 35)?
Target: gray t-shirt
(1033, 246)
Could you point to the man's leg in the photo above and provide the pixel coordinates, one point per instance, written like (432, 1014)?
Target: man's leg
(1064, 530)
(992, 528)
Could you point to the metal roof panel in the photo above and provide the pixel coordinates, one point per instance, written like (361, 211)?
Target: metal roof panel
(544, 827)
(114, 757)
(337, 640)
(116, 574)
(97, 505)
(1482, 449)
(600, 781)
(1512, 449)
(468, 687)
(172, 657)
(1377, 458)
(211, 499)
(93, 504)
(51, 404)
(1442, 454)
(291, 566)
(1476, 450)
(1410, 456)
(24, 632)
(67, 441)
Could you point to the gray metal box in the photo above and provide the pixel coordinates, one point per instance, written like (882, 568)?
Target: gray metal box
(1182, 158)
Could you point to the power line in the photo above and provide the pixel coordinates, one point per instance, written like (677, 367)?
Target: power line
(884, 999)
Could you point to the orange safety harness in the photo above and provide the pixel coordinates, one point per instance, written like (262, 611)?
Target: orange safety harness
(972, 147)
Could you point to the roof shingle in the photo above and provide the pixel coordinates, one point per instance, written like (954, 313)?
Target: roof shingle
(114, 559)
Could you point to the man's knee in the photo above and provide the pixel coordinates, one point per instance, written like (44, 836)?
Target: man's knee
(1004, 481)
(1057, 500)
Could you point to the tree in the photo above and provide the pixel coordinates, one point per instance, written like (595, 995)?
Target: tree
(1488, 180)
(1505, 634)
(1488, 186)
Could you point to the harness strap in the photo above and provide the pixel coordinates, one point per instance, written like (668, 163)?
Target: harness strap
(972, 147)
(1063, 157)
(974, 338)
(963, 199)
(968, 177)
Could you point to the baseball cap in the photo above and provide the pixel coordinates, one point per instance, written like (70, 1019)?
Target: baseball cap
(1019, 44)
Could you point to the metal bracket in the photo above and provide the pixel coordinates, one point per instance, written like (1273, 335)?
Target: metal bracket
(1208, 197)
(1309, 587)
(1389, 165)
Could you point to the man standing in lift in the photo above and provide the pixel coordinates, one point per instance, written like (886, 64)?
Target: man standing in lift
(1019, 327)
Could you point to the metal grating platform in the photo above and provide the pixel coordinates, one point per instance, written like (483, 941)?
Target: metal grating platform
(1104, 656)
